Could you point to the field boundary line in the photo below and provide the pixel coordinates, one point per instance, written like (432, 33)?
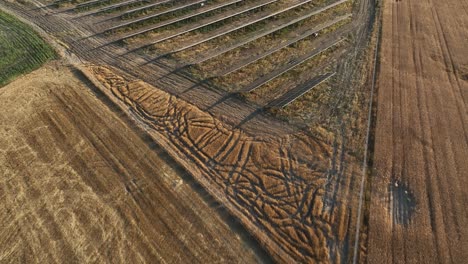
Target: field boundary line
(366, 149)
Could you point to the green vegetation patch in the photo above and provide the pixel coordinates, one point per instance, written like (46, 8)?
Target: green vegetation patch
(21, 49)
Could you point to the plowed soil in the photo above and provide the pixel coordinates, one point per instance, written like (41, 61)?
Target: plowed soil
(79, 185)
(419, 200)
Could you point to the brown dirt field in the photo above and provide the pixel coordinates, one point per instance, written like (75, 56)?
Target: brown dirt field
(292, 192)
(418, 210)
(79, 185)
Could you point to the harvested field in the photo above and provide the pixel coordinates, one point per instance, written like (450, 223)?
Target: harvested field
(419, 187)
(78, 184)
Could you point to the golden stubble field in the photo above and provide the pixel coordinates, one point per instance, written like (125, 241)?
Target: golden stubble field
(79, 184)
(418, 211)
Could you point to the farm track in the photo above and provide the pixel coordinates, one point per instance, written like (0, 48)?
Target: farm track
(300, 204)
(419, 191)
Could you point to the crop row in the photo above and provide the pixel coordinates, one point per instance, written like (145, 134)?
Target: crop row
(239, 45)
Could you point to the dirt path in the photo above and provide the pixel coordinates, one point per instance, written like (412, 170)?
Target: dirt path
(78, 184)
(419, 189)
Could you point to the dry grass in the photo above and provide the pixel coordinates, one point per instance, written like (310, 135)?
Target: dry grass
(80, 184)
(290, 31)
